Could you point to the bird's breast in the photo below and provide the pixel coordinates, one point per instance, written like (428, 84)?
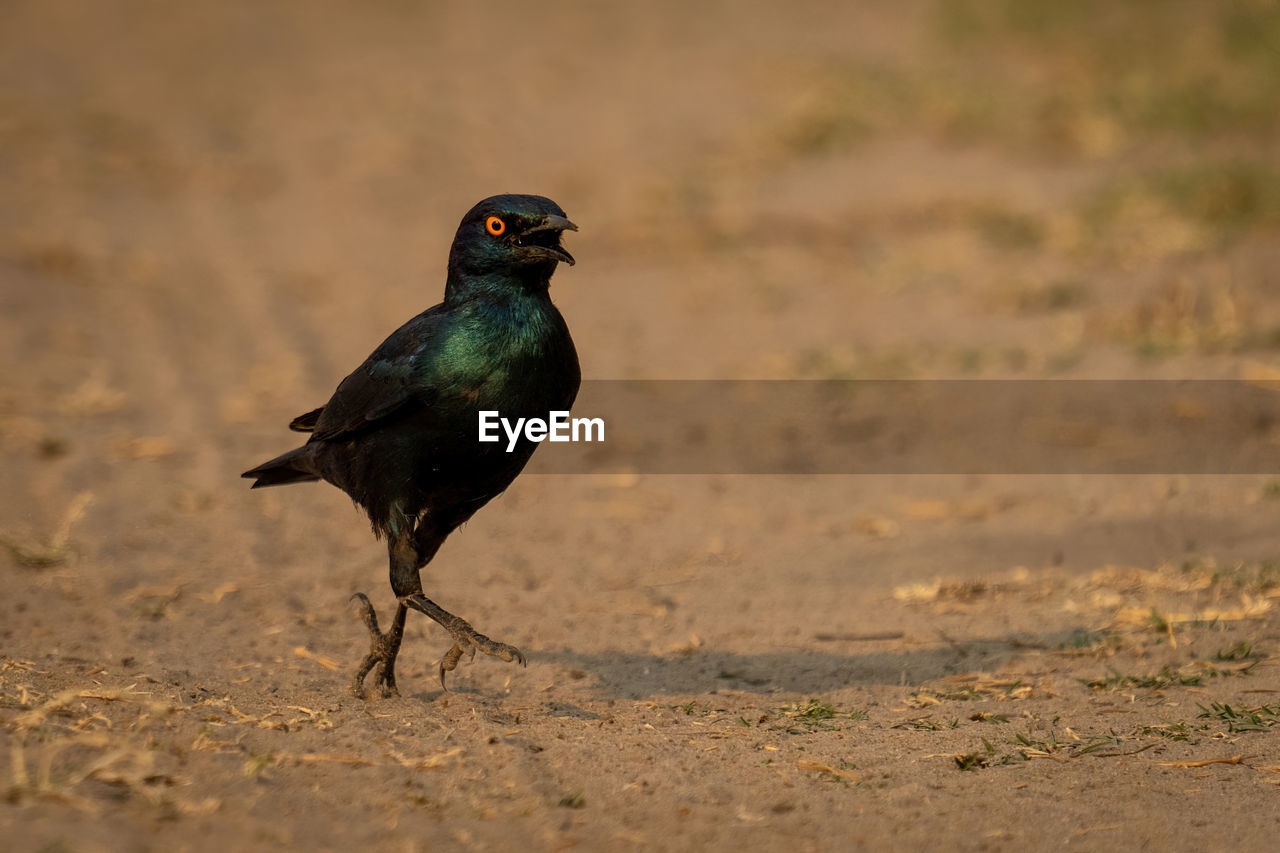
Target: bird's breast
(521, 362)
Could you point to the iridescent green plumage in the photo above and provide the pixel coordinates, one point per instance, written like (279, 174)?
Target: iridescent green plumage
(400, 434)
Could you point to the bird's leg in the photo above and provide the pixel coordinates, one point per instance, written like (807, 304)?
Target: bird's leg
(383, 649)
(465, 638)
(409, 553)
(428, 535)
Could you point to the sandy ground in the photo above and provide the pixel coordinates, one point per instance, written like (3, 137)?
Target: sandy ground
(214, 211)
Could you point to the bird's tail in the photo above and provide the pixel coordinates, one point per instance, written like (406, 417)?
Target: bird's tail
(292, 467)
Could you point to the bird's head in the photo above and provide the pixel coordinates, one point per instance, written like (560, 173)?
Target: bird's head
(512, 237)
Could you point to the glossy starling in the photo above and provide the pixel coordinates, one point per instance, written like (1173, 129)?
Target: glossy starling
(400, 434)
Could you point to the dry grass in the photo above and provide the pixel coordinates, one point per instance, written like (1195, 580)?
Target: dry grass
(42, 553)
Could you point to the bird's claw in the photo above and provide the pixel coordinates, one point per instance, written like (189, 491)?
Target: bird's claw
(467, 639)
(383, 648)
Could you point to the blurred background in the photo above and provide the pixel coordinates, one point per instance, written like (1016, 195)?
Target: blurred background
(806, 189)
(212, 211)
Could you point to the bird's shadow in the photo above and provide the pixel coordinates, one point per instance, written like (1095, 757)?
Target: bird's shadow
(631, 675)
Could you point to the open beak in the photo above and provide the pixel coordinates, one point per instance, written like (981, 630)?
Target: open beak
(543, 239)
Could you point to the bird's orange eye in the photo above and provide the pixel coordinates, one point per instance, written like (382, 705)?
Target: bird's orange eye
(495, 226)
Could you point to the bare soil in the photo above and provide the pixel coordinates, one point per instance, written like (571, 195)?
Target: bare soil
(213, 211)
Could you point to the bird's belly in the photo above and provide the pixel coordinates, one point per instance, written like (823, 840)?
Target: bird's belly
(434, 460)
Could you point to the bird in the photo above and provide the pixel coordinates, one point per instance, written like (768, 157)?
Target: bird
(400, 434)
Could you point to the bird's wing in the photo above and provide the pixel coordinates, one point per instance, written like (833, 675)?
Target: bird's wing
(387, 382)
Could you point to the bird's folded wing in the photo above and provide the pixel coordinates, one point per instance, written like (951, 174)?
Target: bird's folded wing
(390, 381)
(372, 394)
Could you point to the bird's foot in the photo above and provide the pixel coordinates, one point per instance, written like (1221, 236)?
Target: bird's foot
(383, 648)
(465, 638)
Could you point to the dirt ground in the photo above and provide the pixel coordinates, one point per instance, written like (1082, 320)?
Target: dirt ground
(213, 211)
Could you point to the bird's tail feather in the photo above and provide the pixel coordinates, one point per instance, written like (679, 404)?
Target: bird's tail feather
(292, 467)
(307, 422)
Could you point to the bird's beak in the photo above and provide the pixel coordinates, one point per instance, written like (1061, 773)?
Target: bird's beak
(550, 223)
